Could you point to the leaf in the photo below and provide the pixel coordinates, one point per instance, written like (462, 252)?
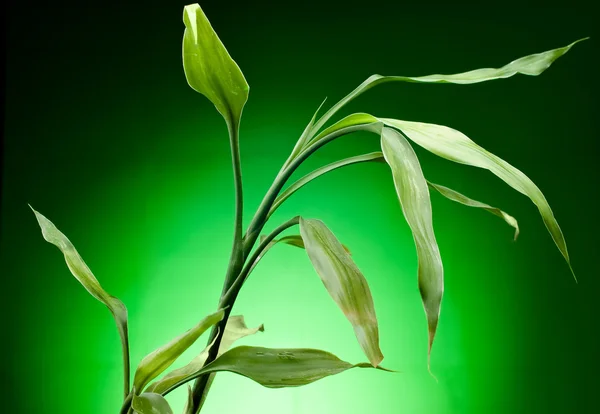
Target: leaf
(85, 276)
(297, 241)
(455, 146)
(209, 68)
(235, 329)
(345, 283)
(529, 65)
(278, 368)
(190, 401)
(413, 194)
(150, 403)
(156, 362)
(305, 134)
(462, 199)
(317, 173)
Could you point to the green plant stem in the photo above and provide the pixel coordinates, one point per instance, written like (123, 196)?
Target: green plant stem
(227, 301)
(126, 403)
(236, 260)
(260, 217)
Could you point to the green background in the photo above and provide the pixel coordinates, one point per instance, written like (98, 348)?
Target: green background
(104, 137)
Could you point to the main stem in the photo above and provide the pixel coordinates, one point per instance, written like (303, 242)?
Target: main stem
(236, 262)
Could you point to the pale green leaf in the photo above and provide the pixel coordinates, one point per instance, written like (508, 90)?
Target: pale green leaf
(345, 283)
(85, 276)
(278, 368)
(413, 194)
(529, 65)
(455, 146)
(150, 403)
(156, 362)
(209, 68)
(462, 199)
(234, 330)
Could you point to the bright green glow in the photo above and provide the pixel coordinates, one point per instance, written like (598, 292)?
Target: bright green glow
(150, 209)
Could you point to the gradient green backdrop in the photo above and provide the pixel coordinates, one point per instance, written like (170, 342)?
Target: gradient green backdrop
(104, 136)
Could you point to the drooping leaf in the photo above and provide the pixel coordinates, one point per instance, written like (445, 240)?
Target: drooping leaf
(235, 329)
(297, 241)
(156, 362)
(413, 194)
(359, 118)
(345, 283)
(529, 65)
(85, 276)
(278, 368)
(209, 68)
(455, 146)
(150, 403)
(317, 173)
(462, 199)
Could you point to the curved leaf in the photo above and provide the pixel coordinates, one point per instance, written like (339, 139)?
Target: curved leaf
(345, 283)
(235, 329)
(306, 133)
(413, 194)
(85, 276)
(279, 367)
(209, 69)
(529, 65)
(462, 199)
(156, 362)
(455, 146)
(150, 403)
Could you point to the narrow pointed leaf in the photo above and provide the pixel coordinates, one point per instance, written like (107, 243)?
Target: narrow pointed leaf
(235, 329)
(306, 133)
(345, 283)
(455, 146)
(150, 403)
(413, 194)
(156, 362)
(278, 368)
(209, 68)
(85, 276)
(529, 65)
(462, 199)
(375, 156)
(297, 241)
(187, 409)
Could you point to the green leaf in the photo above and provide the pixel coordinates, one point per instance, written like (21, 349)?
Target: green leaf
(209, 68)
(317, 173)
(529, 65)
(235, 329)
(85, 276)
(455, 146)
(345, 283)
(413, 194)
(278, 368)
(187, 409)
(306, 133)
(156, 362)
(150, 403)
(462, 199)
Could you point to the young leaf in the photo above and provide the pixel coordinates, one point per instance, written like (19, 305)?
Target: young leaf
(345, 283)
(462, 199)
(85, 276)
(416, 205)
(278, 368)
(455, 146)
(156, 362)
(150, 403)
(529, 65)
(209, 68)
(305, 134)
(235, 329)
